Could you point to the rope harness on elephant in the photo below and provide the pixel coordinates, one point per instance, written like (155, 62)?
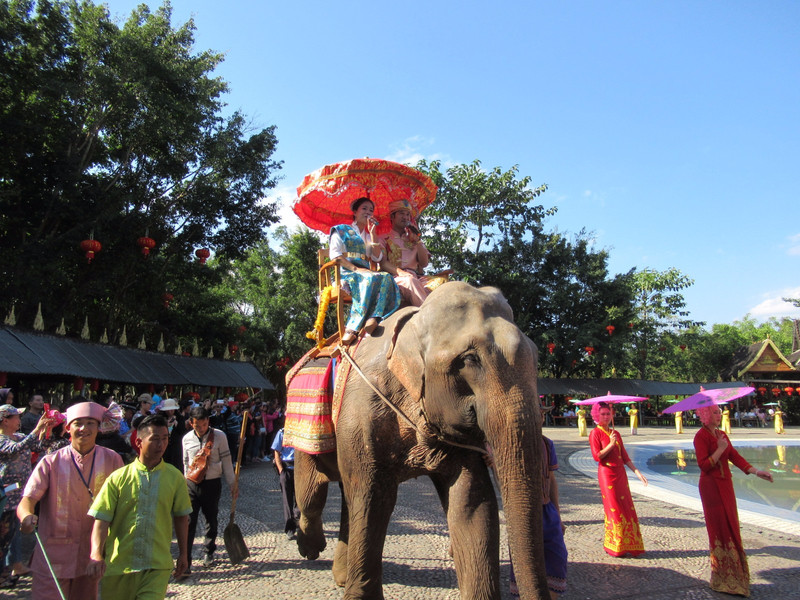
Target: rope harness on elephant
(440, 437)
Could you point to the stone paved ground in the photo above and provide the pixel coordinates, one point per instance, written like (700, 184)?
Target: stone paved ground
(416, 564)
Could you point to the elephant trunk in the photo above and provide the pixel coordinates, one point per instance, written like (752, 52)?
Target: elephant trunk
(515, 435)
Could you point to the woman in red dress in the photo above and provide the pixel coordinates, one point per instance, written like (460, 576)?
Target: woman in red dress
(622, 534)
(729, 571)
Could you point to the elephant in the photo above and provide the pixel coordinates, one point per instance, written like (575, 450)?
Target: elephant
(460, 374)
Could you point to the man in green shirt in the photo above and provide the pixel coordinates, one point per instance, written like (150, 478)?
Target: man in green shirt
(134, 514)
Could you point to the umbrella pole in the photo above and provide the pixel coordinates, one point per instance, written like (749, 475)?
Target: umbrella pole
(49, 564)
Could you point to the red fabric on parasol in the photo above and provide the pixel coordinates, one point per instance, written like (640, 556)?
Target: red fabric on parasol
(708, 397)
(610, 398)
(324, 196)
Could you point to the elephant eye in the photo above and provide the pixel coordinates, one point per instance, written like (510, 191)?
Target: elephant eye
(468, 359)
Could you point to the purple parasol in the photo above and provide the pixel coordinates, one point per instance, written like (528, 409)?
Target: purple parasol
(708, 397)
(610, 398)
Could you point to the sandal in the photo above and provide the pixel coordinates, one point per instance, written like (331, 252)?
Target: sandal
(372, 324)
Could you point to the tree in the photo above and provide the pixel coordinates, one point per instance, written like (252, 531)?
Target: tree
(275, 291)
(660, 313)
(487, 227)
(117, 133)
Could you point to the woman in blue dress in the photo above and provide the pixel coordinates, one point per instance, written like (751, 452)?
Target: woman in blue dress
(375, 294)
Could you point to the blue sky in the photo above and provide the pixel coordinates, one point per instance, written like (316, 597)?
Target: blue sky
(670, 130)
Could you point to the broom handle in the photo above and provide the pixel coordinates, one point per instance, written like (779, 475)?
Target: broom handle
(239, 461)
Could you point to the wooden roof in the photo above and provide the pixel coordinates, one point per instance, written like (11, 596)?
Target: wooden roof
(759, 359)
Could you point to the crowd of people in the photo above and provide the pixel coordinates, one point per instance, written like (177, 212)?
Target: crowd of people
(104, 484)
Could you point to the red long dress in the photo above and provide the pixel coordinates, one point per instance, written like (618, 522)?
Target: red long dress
(622, 534)
(729, 570)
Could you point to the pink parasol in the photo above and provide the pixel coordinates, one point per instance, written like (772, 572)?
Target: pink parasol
(324, 196)
(610, 398)
(708, 397)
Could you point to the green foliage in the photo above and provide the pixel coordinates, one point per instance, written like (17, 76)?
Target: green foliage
(117, 132)
(660, 314)
(276, 294)
(487, 227)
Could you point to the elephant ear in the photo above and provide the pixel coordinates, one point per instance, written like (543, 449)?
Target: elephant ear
(404, 357)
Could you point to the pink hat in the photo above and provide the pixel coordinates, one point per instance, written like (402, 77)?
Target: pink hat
(92, 410)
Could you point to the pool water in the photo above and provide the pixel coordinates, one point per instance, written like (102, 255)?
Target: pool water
(782, 461)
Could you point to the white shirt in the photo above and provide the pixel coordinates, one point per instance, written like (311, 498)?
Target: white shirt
(337, 246)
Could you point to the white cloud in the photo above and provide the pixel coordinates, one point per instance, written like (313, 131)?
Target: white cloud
(411, 150)
(774, 306)
(794, 245)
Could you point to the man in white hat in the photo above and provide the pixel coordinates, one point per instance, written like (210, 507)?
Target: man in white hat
(64, 483)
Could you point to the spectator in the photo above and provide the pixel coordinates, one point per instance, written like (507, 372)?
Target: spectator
(32, 414)
(63, 484)
(145, 403)
(6, 396)
(15, 468)
(135, 561)
(174, 453)
(205, 491)
(284, 462)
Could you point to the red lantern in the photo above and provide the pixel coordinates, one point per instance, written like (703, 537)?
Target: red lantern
(241, 397)
(227, 391)
(187, 354)
(610, 329)
(242, 329)
(682, 347)
(78, 384)
(170, 387)
(550, 347)
(91, 247)
(797, 390)
(151, 388)
(212, 389)
(234, 349)
(282, 363)
(589, 350)
(202, 254)
(630, 325)
(762, 390)
(3, 379)
(167, 298)
(146, 244)
(775, 392)
(788, 390)
(95, 385)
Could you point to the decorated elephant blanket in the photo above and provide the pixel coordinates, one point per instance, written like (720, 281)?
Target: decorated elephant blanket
(314, 391)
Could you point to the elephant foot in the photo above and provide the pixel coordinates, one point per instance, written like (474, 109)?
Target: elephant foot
(340, 564)
(310, 539)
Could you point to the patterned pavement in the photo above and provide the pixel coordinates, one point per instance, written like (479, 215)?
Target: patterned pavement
(417, 566)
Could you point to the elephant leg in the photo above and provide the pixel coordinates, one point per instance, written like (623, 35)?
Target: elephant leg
(340, 554)
(472, 518)
(371, 501)
(311, 492)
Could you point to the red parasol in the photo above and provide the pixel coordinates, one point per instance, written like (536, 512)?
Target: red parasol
(708, 397)
(324, 196)
(611, 399)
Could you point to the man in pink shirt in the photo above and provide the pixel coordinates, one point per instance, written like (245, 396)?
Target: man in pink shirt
(65, 482)
(406, 254)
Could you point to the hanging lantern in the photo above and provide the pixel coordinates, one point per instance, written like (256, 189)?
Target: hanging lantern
(775, 392)
(202, 254)
(283, 363)
(610, 329)
(3, 379)
(762, 390)
(170, 387)
(682, 347)
(78, 384)
(662, 348)
(630, 325)
(95, 385)
(788, 390)
(241, 397)
(589, 350)
(797, 390)
(146, 244)
(212, 389)
(550, 347)
(167, 298)
(91, 247)
(227, 391)
(151, 388)
(242, 329)
(234, 349)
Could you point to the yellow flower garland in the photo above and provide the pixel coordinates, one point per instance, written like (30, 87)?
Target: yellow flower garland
(317, 333)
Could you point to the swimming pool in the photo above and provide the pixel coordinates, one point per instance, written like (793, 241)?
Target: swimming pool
(772, 505)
